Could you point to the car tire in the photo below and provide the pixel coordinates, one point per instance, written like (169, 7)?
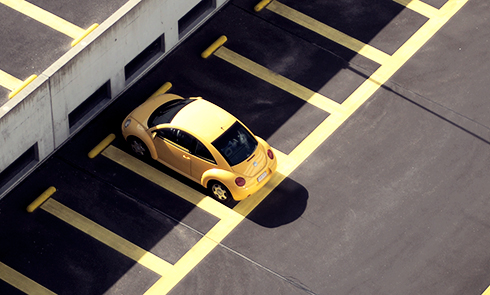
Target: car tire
(219, 192)
(138, 147)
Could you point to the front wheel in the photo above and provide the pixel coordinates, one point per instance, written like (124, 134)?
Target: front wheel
(138, 147)
(220, 192)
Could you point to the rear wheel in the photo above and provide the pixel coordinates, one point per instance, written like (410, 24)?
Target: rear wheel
(138, 147)
(220, 192)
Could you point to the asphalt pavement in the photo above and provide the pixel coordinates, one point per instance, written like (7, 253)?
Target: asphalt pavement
(382, 186)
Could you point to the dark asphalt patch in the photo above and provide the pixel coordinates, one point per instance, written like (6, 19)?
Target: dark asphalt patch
(385, 25)
(121, 214)
(6, 288)
(280, 52)
(302, 122)
(364, 21)
(139, 188)
(56, 255)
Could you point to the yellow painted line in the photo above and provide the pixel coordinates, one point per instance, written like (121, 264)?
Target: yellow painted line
(41, 199)
(8, 81)
(101, 146)
(328, 32)
(169, 183)
(45, 17)
(402, 55)
(194, 256)
(229, 218)
(420, 7)
(22, 282)
(215, 236)
(279, 155)
(487, 291)
(107, 237)
(279, 81)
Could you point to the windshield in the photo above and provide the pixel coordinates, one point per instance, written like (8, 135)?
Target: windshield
(236, 144)
(167, 111)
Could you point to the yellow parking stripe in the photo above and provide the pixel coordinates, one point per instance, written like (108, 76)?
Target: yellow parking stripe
(329, 32)
(107, 237)
(277, 80)
(22, 282)
(402, 55)
(169, 183)
(8, 81)
(185, 265)
(195, 255)
(229, 219)
(419, 7)
(45, 17)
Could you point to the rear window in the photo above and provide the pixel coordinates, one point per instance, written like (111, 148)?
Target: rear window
(167, 111)
(236, 144)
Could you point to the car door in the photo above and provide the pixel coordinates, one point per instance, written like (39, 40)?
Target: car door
(173, 148)
(201, 160)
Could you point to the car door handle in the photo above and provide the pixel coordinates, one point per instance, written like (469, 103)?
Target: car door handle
(186, 157)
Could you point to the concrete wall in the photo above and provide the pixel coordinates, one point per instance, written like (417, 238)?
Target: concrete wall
(39, 113)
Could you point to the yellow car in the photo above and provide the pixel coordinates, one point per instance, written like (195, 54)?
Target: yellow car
(202, 142)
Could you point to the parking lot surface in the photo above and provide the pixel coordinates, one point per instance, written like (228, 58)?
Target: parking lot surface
(377, 114)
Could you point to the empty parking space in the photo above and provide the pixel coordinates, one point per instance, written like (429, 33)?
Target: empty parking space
(117, 227)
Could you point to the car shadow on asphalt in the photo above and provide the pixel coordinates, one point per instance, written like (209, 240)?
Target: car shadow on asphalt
(285, 204)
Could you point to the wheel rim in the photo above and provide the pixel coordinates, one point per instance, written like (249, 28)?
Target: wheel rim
(138, 147)
(219, 192)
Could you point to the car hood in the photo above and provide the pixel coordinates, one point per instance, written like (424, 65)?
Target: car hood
(254, 165)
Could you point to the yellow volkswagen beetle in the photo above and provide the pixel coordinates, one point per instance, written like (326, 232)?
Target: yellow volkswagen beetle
(202, 142)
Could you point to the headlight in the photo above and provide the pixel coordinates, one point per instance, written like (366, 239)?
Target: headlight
(126, 124)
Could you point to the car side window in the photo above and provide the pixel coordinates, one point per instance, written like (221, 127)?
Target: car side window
(203, 153)
(186, 142)
(178, 138)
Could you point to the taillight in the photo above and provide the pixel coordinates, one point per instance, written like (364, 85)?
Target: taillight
(270, 154)
(240, 181)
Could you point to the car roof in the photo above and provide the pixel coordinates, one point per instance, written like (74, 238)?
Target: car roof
(204, 119)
